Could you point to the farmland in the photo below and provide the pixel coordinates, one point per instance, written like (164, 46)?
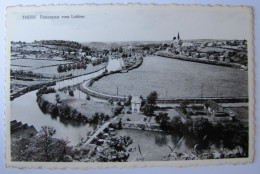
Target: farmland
(31, 64)
(40, 62)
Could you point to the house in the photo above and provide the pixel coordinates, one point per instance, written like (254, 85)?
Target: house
(214, 108)
(211, 44)
(136, 104)
(187, 44)
(168, 49)
(212, 58)
(222, 58)
(176, 43)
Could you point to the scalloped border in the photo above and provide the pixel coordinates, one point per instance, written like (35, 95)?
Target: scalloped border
(101, 165)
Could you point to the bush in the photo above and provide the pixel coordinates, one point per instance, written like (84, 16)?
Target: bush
(149, 110)
(118, 103)
(42, 148)
(117, 110)
(152, 97)
(98, 118)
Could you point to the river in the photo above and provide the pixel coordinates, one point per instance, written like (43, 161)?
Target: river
(173, 78)
(71, 131)
(154, 145)
(26, 109)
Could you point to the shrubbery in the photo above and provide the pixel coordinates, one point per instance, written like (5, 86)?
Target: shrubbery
(98, 118)
(205, 133)
(45, 90)
(43, 148)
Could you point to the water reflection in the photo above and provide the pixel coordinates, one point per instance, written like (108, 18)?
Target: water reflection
(70, 130)
(72, 123)
(161, 140)
(154, 145)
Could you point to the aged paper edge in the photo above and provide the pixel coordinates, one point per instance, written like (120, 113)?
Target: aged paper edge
(102, 165)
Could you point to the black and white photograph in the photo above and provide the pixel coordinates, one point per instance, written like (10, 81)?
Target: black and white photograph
(129, 84)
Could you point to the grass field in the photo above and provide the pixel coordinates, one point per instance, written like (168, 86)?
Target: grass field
(210, 49)
(85, 107)
(34, 63)
(48, 67)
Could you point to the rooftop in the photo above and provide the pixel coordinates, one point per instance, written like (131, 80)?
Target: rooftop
(136, 99)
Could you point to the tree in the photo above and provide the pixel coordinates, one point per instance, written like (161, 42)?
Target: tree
(57, 97)
(128, 102)
(65, 68)
(44, 147)
(47, 133)
(59, 68)
(78, 65)
(69, 67)
(74, 66)
(120, 49)
(71, 92)
(149, 110)
(120, 124)
(162, 117)
(85, 48)
(152, 97)
(118, 109)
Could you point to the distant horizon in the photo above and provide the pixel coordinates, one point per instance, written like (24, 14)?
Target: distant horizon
(125, 41)
(129, 23)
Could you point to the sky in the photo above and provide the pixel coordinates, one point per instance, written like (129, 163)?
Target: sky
(129, 23)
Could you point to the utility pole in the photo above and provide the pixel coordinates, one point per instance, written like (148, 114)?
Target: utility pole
(79, 93)
(202, 85)
(116, 90)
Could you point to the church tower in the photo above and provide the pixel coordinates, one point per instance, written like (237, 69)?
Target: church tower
(178, 37)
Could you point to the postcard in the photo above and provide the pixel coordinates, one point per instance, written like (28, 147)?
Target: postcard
(99, 86)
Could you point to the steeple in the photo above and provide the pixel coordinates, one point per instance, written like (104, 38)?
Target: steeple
(178, 37)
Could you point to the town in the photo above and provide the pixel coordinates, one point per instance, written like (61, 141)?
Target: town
(97, 91)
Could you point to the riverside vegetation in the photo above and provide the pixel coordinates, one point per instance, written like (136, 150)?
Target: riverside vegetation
(207, 140)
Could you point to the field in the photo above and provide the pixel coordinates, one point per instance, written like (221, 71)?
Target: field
(31, 64)
(210, 49)
(175, 78)
(85, 107)
(48, 67)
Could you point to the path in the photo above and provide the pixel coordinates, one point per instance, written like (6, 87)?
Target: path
(85, 89)
(101, 129)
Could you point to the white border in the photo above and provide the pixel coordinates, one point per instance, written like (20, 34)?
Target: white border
(212, 171)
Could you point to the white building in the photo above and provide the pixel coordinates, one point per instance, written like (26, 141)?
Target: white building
(187, 44)
(136, 104)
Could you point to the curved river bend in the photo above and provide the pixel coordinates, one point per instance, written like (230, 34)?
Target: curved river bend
(26, 110)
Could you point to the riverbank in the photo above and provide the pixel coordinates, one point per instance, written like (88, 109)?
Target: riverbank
(175, 79)
(69, 108)
(84, 87)
(29, 89)
(184, 58)
(51, 83)
(63, 111)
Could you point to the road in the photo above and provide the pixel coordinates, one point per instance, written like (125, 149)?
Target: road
(101, 129)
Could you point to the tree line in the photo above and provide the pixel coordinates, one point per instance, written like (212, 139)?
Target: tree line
(68, 67)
